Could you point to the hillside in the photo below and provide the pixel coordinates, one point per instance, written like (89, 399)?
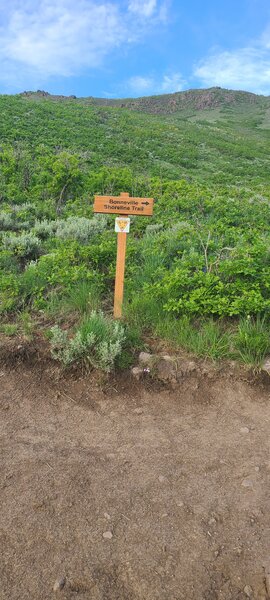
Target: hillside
(169, 103)
(197, 272)
(205, 135)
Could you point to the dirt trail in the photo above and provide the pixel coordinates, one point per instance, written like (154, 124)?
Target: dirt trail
(179, 478)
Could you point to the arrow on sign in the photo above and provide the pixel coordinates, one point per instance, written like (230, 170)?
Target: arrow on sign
(146, 203)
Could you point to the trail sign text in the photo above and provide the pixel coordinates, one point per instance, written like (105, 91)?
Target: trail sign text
(124, 205)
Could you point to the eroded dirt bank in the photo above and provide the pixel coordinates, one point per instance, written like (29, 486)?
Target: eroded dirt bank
(177, 480)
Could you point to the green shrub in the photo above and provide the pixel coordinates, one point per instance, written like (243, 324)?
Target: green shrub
(45, 229)
(25, 245)
(6, 221)
(8, 262)
(81, 229)
(153, 228)
(97, 342)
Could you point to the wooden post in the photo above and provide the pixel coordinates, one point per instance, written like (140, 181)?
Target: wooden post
(123, 206)
(119, 275)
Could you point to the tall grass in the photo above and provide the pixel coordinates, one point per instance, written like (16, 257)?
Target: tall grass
(207, 339)
(82, 298)
(252, 340)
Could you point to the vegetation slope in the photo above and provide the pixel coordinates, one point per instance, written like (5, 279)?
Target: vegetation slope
(197, 272)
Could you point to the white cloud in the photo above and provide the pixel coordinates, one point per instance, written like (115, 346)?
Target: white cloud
(143, 8)
(57, 38)
(150, 84)
(244, 68)
(141, 84)
(62, 37)
(173, 83)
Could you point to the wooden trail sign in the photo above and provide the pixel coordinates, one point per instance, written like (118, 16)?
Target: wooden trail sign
(122, 205)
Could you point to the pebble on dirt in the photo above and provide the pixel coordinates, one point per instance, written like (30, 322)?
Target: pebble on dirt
(145, 359)
(59, 584)
(244, 430)
(137, 372)
(248, 483)
(248, 591)
(107, 535)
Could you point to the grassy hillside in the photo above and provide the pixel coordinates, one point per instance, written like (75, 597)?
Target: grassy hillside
(219, 142)
(203, 155)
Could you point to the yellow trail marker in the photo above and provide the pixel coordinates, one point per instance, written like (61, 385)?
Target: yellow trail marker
(122, 205)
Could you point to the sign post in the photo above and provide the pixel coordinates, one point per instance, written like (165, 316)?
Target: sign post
(122, 205)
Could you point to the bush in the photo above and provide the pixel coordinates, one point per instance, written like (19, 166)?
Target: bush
(44, 229)
(26, 245)
(81, 229)
(6, 221)
(97, 342)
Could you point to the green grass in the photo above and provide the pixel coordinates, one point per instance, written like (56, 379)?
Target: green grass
(9, 329)
(252, 341)
(206, 339)
(82, 298)
(26, 324)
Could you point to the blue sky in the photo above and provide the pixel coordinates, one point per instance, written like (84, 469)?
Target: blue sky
(127, 48)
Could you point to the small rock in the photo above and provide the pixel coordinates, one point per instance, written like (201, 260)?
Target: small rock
(145, 359)
(180, 503)
(137, 372)
(257, 469)
(161, 478)
(247, 483)
(107, 535)
(185, 367)
(138, 411)
(59, 584)
(244, 430)
(166, 368)
(248, 591)
(212, 521)
(107, 516)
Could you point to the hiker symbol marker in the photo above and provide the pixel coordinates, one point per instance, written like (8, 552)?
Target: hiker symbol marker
(122, 205)
(122, 224)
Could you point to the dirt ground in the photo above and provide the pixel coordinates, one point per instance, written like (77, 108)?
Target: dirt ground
(133, 491)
